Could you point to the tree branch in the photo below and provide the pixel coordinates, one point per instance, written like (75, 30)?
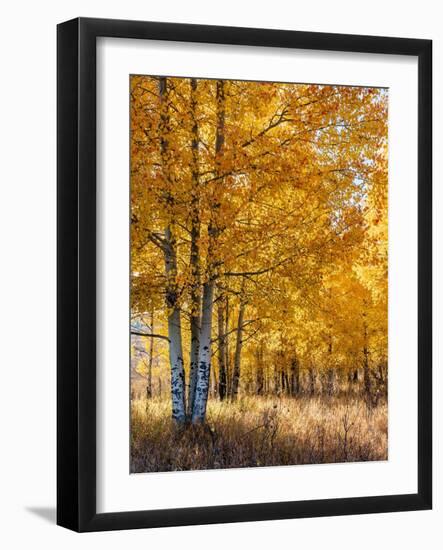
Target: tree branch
(149, 335)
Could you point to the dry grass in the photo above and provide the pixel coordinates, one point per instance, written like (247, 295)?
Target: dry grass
(259, 431)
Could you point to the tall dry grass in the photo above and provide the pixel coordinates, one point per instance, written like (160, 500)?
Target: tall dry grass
(259, 431)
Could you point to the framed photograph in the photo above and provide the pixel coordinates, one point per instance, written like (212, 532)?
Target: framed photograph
(244, 274)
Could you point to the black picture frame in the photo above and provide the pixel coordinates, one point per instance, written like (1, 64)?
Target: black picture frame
(76, 282)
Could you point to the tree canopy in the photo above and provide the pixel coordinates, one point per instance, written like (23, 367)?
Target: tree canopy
(258, 232)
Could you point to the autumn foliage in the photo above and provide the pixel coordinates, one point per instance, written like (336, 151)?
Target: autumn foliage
(259, 248)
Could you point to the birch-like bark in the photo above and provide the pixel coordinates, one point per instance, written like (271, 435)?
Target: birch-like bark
(194, 255)
(174, 316)
(194, 352)
(204, 356)
(204, 352)
(174, 334)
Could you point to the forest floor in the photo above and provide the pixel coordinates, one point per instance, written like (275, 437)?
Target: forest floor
(259, 431)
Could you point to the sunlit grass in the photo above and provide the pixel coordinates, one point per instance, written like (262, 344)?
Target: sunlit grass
(259, 431)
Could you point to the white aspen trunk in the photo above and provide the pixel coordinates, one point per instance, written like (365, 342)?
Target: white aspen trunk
(175, 335)
(204, 356)
(194, 256)
(193, 356)
(178, 395)
(177, 370)
(204, 350)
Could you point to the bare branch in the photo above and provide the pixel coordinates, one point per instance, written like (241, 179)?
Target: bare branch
(149, 335)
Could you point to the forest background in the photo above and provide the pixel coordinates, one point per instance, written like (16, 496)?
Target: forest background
(258, 273)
